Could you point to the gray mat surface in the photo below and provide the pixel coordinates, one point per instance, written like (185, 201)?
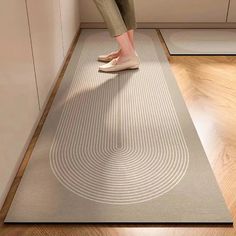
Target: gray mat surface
(118, 147)
(200, 41)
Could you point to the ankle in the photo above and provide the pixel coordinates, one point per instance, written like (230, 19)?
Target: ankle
(127, 53)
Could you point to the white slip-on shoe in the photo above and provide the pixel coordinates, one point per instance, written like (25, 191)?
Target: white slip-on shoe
(131, 62)
(107, 57)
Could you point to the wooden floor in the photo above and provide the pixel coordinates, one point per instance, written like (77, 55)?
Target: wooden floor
(208, 85)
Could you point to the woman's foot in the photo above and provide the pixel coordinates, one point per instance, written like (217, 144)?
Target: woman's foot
(121, 63)
(110, 56)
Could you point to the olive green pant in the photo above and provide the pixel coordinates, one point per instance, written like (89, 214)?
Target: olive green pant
(119, 15)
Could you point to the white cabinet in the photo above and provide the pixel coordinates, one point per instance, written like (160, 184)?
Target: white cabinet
(182, 10)
(46, 34)
(70, 21)
(53, 25)
(166, 11)
(19, 108)
(35, 37)
(232, 11)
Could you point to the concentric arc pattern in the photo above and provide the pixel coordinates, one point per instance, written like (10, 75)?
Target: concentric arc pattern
(119, 140)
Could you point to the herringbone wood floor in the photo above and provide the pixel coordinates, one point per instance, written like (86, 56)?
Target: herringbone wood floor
(208, 85)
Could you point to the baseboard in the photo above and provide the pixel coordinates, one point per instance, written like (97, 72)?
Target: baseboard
(165, 25)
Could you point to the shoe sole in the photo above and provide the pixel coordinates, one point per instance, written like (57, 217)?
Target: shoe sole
(129, 68)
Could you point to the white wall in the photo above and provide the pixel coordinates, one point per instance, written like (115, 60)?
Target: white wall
(31, 56)
(19, 106)
(166, 11)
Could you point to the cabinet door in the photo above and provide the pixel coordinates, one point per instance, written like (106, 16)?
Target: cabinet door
(19, 108)
(46, 34)
(182, 10)
(166, 11)
(232, 11)
(70, 21)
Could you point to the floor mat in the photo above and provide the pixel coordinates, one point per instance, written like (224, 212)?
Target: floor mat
(118, 147)
(200, 41)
